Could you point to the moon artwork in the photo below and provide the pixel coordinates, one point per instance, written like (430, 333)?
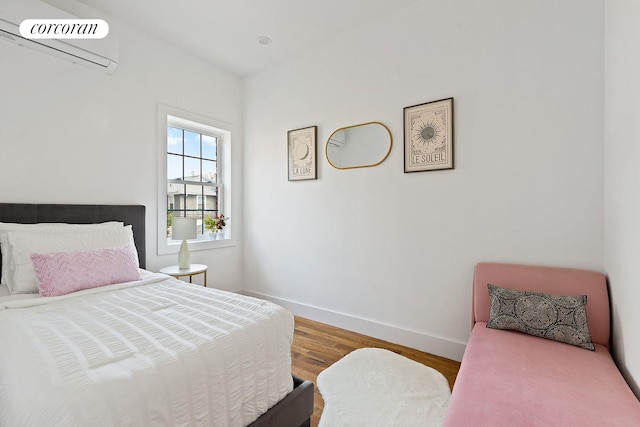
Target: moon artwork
(302, 161)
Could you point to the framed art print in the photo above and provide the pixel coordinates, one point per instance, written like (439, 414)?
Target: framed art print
(302, 153)
(428, 136)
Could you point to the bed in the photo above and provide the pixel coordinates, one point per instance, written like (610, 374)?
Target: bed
(149, 351)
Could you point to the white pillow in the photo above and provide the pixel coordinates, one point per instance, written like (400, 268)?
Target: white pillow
(43, 227)
(21, 274)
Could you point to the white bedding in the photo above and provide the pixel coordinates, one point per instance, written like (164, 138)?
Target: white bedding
(154, 352)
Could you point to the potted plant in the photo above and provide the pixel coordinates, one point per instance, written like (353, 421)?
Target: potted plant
(215, 225)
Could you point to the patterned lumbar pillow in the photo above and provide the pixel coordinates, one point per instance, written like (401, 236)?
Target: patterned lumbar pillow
(62, 273)
(556, 317)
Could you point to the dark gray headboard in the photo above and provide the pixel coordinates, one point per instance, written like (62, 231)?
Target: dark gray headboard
(30, 213)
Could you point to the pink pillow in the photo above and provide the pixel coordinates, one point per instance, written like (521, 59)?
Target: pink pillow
(61, 273)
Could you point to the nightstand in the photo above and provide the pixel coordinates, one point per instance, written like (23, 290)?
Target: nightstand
(193, 269)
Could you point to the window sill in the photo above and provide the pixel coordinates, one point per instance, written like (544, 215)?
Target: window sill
(204, 243)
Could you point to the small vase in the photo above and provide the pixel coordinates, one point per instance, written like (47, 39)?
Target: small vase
(216, 235)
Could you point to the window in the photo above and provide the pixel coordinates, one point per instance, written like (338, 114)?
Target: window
(193, 187)
(193, 179)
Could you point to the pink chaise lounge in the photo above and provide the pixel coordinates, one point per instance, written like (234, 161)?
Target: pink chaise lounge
(509, 378)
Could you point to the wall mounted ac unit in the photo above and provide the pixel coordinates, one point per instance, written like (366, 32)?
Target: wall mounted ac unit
(99, 54)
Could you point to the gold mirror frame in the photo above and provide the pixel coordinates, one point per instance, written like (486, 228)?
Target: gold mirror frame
(356, 166)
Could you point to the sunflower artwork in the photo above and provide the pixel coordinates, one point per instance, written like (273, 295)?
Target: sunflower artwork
(428, 136)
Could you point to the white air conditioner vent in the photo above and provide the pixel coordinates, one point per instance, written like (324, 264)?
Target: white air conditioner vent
(99, 54)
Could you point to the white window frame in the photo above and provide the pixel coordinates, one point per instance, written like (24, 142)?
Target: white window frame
(171, 116)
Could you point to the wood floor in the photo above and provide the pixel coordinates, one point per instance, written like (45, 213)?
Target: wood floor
(316, 346)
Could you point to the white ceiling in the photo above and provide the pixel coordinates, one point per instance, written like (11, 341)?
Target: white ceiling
(226, 32)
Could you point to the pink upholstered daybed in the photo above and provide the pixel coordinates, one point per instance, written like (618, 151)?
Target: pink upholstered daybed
(509, 378)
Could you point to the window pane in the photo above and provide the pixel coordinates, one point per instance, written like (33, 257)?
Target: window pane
(209, 147)
(169, 219)
(198, 216)
(175, 196)
(191, 144)
(174, 166)
(193, 191)
(210, 198)
(191, 169)
(174, 140)
(209, 171)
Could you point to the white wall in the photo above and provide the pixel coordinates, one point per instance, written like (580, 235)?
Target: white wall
(392, 254)
(69, 134)
(622, 175)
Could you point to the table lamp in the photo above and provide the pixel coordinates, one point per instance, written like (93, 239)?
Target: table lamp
(184, 228)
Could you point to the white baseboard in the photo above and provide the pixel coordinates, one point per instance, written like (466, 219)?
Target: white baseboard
(420, 341)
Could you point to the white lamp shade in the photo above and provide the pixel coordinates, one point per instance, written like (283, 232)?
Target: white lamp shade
(184, 228)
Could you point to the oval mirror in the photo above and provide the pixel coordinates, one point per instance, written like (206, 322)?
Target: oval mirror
(358, 146)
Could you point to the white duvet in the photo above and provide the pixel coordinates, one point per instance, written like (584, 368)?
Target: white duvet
(150, 353)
